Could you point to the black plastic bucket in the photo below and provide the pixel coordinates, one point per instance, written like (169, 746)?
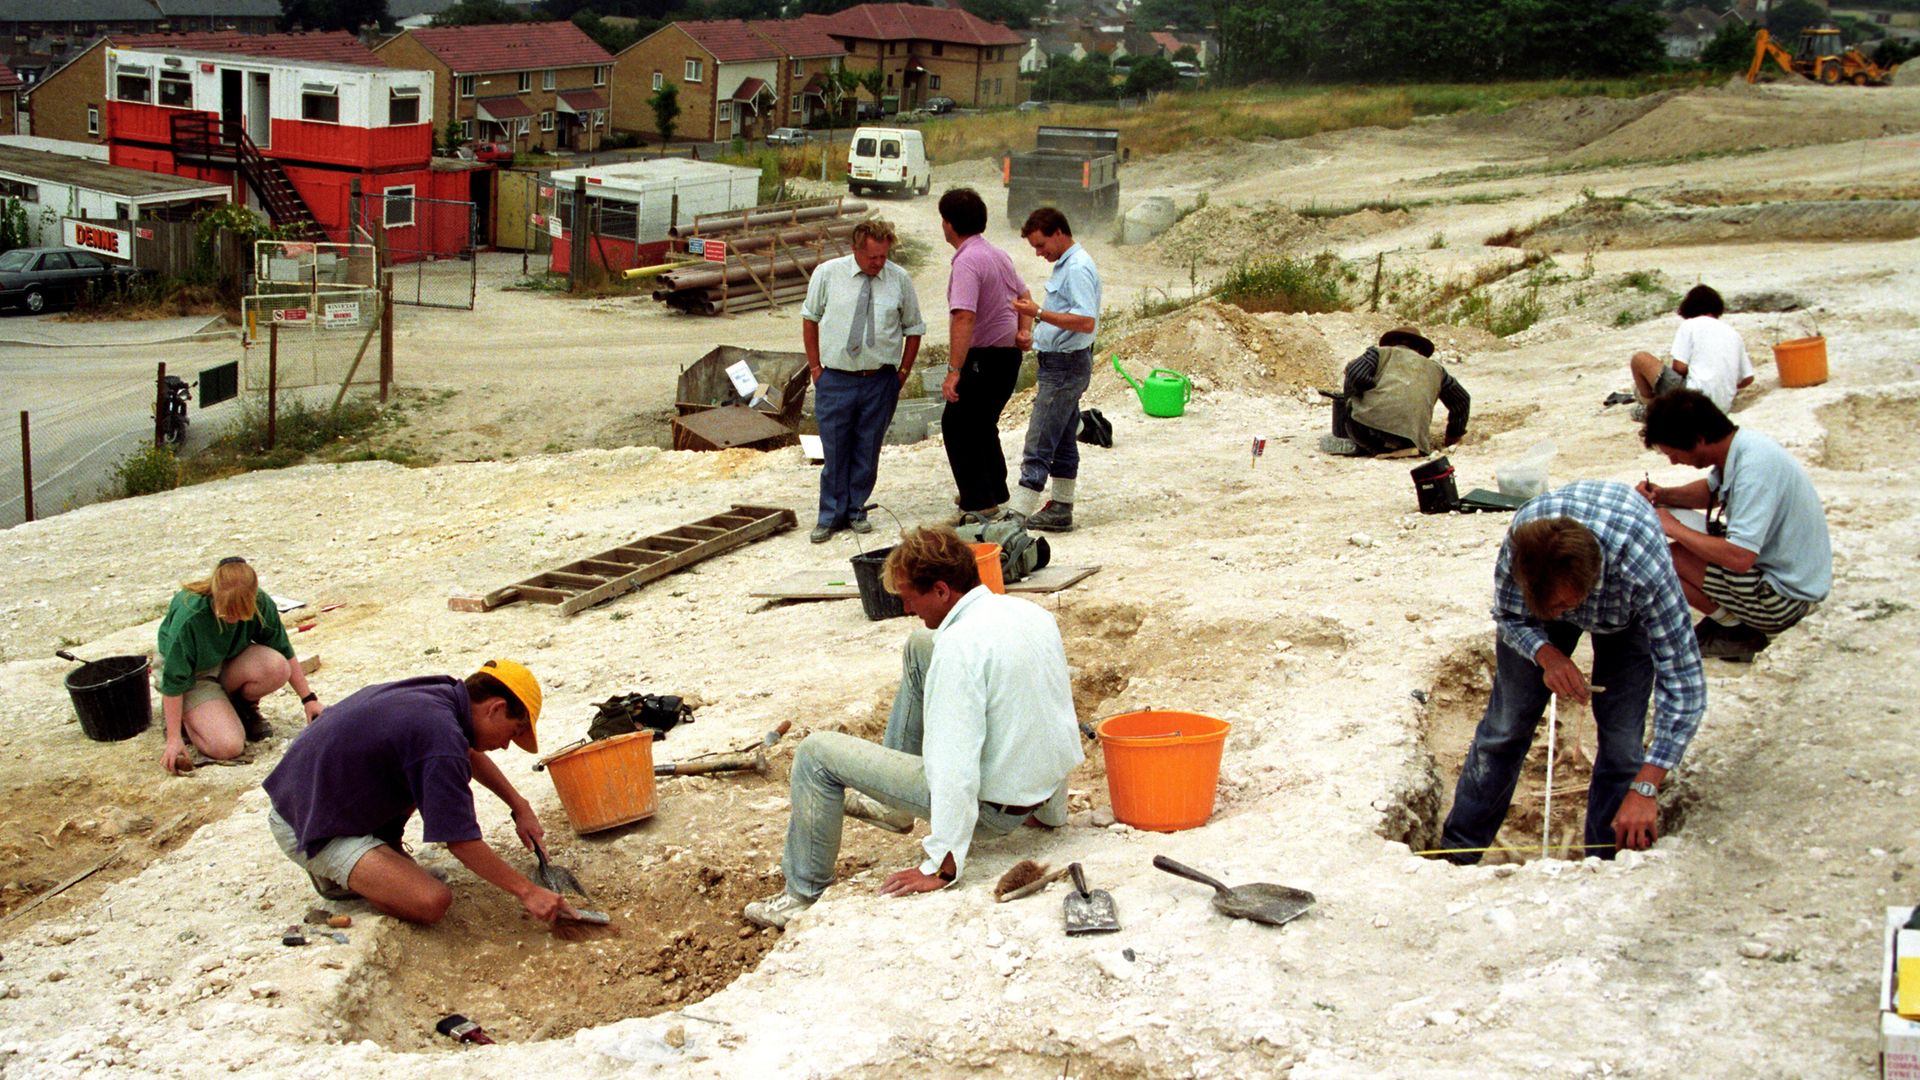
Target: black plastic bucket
(112, 697)
(880, 603)
(1433, 484)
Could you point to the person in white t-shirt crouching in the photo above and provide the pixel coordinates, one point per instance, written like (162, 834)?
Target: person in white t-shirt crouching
(1708, 356)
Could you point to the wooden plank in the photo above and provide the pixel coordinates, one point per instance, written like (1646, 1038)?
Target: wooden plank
(603, 567)
(583, 581)
(835, 585)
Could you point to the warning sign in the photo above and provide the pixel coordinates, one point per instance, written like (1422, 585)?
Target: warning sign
(293, 316)
(553, 227)
(342, 315)
(537, 219)
(716, 250)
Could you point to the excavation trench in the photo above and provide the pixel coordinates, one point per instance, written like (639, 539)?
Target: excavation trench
(1456, 696)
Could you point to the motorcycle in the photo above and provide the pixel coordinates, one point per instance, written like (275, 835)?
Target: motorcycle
(173, 425)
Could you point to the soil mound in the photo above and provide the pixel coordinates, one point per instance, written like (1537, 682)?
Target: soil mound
(1721, 119)
(1617, 224)
(1563, 123)
(1222, 348)
(1228, 235)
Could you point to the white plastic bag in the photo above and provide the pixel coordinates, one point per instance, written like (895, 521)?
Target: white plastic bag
(1527, 476)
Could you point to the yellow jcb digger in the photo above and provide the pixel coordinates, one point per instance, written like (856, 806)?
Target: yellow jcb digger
(1823, 56)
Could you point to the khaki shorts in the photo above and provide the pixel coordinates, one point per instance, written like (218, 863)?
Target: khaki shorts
(332, 865)
(206, 687)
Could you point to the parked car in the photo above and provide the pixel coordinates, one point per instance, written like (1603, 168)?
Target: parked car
(1033, 106)
(487, 151)
(939, 105)
(788, 136)
(37, 278)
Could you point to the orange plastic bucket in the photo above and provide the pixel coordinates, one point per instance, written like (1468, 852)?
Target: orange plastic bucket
(988, 556)
(1802, 361)
(1162, 767)
(607, 782)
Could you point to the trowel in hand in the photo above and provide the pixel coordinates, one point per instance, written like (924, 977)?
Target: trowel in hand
(1089, 911)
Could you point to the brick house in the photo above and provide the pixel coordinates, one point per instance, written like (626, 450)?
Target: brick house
(927, 52)
(535, 86)
(807, 58)
(734, 78)
(10, 86)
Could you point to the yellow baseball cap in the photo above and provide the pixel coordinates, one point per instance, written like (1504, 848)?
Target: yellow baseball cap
(522, 685)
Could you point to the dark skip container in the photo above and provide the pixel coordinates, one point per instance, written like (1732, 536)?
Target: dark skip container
(112, 697)
(1433, 484)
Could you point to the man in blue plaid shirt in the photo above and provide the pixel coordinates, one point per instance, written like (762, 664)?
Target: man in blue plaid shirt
(1589, 557)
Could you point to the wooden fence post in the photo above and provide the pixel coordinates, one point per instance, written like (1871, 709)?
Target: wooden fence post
(386, 336)
(26, 465)
(160, 407)
(577, 254)
(273, 383)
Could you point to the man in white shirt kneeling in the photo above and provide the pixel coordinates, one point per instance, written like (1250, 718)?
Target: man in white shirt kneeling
(980, 740)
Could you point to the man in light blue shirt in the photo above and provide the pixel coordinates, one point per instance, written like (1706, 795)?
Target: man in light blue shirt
(1065, 321)
(861, 328)
(980, 740)
(1772, 563)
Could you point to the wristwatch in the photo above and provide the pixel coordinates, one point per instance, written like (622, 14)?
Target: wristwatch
(1641, 787)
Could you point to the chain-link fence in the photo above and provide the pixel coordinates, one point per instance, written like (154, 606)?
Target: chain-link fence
(60, 455)
(317, 319)
(427, 246)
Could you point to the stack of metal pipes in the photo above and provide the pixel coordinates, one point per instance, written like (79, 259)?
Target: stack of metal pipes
(771, 254)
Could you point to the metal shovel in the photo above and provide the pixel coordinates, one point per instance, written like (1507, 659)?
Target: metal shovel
(556, 878)
(1275, 905)
(1089, 912)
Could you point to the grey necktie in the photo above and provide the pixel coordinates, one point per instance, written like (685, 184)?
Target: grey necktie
(861, 332)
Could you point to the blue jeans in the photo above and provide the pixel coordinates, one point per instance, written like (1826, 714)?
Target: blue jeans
(1623, 663)
(853, 412)
(830, 762)
(1052, 447)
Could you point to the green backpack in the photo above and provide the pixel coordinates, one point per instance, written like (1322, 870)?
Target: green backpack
(1021, 553)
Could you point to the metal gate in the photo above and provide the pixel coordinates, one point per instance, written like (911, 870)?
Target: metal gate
(426, 246)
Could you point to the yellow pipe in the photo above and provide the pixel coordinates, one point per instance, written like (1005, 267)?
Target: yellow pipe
(651, 271)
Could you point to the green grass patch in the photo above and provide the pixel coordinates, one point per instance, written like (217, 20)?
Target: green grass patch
(1311, 285)
(146, 471)
(360, 430)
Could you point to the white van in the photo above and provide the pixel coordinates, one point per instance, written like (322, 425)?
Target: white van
(888, 159)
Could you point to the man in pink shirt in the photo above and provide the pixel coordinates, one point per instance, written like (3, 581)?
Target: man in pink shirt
(985, 339)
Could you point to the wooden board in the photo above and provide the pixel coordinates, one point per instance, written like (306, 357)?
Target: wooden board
(838, 585)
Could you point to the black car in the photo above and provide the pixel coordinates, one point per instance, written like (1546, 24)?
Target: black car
(34, 278)
(938, 105)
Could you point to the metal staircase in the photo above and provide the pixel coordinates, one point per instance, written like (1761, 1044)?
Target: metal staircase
(204, 139)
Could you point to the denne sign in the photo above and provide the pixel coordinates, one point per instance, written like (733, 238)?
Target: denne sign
(113, 243)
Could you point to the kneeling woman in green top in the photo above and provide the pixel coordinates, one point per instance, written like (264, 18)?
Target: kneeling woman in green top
(222, 649)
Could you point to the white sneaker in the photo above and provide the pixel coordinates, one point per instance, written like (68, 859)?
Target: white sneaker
(776, 911)
(874, 812)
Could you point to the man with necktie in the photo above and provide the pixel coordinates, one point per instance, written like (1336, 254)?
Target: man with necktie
(861, 326)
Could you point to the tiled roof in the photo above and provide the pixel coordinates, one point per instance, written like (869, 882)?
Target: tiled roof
(583, 100)
(469, 50)
(906, 22)
(750, 89)
(794, 37)
(333, 46)
(729, 40)
(79, 11)
(505, 108)
(8, 80)
(229, 9)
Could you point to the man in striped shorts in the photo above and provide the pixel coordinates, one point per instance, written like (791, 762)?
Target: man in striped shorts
(1768, 562)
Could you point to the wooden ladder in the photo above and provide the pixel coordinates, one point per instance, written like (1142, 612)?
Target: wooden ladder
(580, 584)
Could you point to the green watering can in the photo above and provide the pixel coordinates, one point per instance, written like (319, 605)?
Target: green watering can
(1163, 393)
